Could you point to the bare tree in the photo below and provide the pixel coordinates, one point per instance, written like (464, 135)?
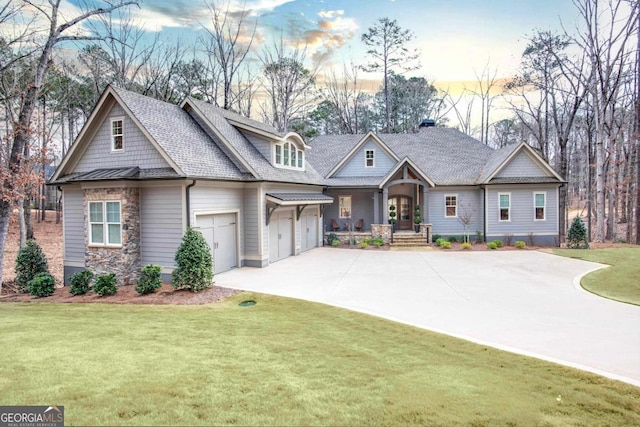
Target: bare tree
(387, 46)
(288, 84)
(344, 93)
(22, 128)
(486, 82)
(605, 39)
(228, 42)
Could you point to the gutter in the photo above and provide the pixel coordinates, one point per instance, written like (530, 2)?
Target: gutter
(484, 209)
(188, 202)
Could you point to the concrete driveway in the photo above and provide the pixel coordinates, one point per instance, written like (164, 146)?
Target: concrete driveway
(526, 302)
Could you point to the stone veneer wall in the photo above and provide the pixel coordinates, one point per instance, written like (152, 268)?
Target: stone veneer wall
(124, 261)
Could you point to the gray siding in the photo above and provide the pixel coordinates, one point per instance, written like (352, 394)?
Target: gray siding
(469, 202)
(161, 224)
(522, 211)
(251, 221)
(138, 150)
(262, 144)
(73, 225)
(361, 207)
(355, 166)
(522, 165)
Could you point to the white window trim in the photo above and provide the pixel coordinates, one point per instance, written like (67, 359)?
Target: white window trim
(105, 224)
(445, 205)
(544, 207)
(299, 155)
(340, 207)
(508, 209)
(113, 149)
(373, 158)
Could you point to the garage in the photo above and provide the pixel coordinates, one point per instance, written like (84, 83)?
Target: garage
(220, 232)
(281, 235)
(309, 229)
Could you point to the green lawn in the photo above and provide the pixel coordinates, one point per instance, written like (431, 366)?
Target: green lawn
(621, 281)
(281, 362)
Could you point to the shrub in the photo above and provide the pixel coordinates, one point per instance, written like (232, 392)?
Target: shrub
(364, 244)
(508, 238)
(577, 235)
(30, 261)
(479, 237)
(440, 241)
(105, 284)
(149, 280)
(377, 242)
(366, 240)
(436, 237)
(498, 243)
(520, 244)
(332, 237)
(42, 285)
(466, 245)
(194, 264)
(335, 243)
(81, 282)
(453, 239)
(445, 245)
(492, 245)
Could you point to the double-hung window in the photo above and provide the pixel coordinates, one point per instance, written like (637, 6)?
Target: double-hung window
(451, 205)
(539, 206)
(345, 206)
(105, 224)
(504, 207)
(117, 134)
(369, 159)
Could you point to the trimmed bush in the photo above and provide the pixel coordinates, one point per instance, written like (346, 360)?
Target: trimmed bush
(150, 279)
(520, 244)
(195, 266)
(81, 282)
(440, 241)
(42, 285)
(105, 285)
(577, 235)
(377, 242)
(466, 245)
(364, 244)
(498, 243)
(436, 237)
(29, 262)
(335, 242)
(492, 245)
(332, 237)
(445, 245)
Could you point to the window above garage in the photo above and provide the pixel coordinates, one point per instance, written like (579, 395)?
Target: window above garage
(287, 155)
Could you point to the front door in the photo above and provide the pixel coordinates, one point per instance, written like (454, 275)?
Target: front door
(404, 209)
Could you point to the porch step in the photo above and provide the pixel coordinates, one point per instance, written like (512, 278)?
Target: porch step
(403, 240)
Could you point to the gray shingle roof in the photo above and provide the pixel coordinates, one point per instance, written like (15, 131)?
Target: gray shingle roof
(181, 138)
(263, 168)
(523, 180)
(300, 197)
(495, 160)
(447, 156)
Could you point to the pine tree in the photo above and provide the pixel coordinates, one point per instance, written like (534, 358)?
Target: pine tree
(577, 236)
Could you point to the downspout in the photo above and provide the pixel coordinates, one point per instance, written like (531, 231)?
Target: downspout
(484, 213)
(188, 203)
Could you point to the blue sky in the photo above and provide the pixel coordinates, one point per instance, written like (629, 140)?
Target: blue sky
(457, 38)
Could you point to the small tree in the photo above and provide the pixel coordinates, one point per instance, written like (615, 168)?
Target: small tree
(577, 236)
(195, 265)
(150, 279)
(30, 261)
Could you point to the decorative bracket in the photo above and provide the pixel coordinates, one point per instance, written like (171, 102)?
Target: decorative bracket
(299, 210)
(271, 207)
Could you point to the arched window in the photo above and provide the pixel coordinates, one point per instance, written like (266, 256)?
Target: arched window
(288, 155)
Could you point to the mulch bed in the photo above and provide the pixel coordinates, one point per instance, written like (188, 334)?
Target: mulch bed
(126, 295)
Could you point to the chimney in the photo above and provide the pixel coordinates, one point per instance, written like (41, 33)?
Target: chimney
(427, 123)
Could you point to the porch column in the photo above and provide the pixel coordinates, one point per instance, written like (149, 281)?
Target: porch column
(425, 207)
(376, 208)
(385, 203)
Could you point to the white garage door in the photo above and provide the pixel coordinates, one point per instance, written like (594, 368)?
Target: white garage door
(280, 236)
(220, 233)
(309, 229)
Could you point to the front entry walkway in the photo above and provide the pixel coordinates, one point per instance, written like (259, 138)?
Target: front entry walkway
(520, 301)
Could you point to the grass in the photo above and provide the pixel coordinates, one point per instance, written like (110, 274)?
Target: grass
(281, 362)
(621, 281)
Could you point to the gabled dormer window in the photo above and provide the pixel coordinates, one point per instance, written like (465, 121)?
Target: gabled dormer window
(117, 134)
(288, 155)
(369, 159)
